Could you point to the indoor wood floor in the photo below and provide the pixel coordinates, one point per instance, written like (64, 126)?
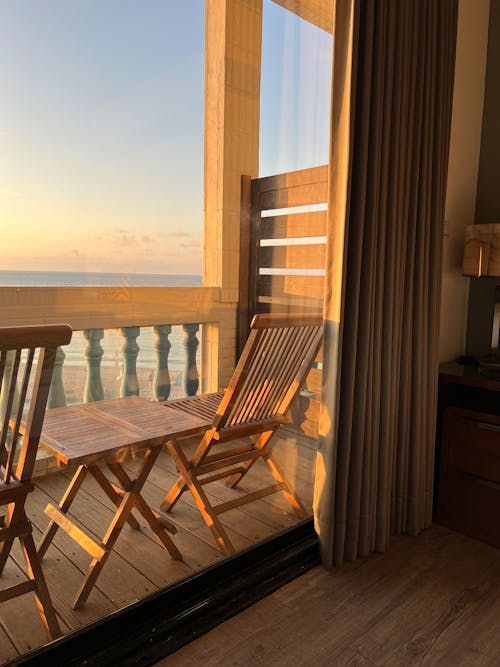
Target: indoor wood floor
(139, 565)
(432, 600)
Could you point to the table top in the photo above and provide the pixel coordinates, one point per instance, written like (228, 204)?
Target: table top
(112, 428)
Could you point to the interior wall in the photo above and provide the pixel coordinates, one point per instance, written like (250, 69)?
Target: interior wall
(470, 67)
(482, 290)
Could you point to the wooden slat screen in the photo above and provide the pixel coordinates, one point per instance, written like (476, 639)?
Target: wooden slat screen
(283, 252)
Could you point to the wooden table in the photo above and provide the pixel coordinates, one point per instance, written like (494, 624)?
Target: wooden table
(105, 433)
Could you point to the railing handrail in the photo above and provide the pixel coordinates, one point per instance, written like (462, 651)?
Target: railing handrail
(108, 307)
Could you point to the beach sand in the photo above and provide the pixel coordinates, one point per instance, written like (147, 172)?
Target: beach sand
(74, 378)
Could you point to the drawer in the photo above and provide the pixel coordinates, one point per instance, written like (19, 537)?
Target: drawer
(472, 446)
(470, 505)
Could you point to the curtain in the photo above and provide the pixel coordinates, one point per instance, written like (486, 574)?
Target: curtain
(393, 70)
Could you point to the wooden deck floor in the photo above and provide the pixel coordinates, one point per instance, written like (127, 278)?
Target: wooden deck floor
(125, 577)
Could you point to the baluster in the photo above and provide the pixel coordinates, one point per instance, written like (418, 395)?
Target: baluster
(161, 380)
(93, 352)
(57, 395)
(130, 350)
(190, 380)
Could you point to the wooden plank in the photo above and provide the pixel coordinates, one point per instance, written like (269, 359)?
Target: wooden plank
(293, 257)
(318, 12)
(86, 542)
(293, 178)
(299, 195)
(24, 587)
(7, 648)
(248, 498)
(95, 431)
(247, 264)
(294, 225)
(109, 307)
(284, 304)
(311, 287)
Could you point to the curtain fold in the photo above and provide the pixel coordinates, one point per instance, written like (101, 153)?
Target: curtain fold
(393, 70)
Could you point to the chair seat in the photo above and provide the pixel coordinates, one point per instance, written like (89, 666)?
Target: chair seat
(204, 406)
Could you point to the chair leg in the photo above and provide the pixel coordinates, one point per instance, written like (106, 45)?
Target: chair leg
(288, 492)
(4, 554)
(112, 494)
(64, 506)
(42, 596)
(209, 515)
(173, 495)
(260, 443)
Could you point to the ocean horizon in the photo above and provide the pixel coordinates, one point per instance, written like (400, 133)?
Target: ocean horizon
(113, 340)
(94, 278)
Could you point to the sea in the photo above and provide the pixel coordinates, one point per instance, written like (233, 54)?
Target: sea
(112, 342)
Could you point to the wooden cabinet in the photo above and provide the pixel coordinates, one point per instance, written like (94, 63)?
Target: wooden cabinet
(469, 475)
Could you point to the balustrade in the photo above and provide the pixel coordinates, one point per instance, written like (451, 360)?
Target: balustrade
(159, 376)
(57, 395)
(130, 350)
(191, 378)
(93, 353)
(161, 380)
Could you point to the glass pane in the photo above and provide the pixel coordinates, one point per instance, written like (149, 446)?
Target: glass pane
(101, 142)
(112, 155)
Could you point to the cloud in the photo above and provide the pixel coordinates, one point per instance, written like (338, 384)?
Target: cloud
(178, 234)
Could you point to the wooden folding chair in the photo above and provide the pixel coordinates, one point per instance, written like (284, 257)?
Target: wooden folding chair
(27, 352)
(274, 364)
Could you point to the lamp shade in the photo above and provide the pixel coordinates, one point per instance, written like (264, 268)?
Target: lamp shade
(481, 250)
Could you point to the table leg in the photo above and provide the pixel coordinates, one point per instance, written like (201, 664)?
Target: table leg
(157, 524)
(64, 506)
(112, 494)
(107, 543)
(130, 498)
(125, 481)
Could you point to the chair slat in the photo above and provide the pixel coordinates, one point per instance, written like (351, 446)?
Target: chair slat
(254, 385)
(292, 352)
(8, 411)
(20, 408)
(292, 372)
(3, 361)
(272, 376)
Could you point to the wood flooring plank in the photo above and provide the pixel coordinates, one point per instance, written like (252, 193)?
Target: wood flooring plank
(7, 649)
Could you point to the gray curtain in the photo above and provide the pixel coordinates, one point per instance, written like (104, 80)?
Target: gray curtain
(391, 111)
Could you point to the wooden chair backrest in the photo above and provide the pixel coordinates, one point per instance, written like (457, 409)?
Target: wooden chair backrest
(19, 362)
(273, 366)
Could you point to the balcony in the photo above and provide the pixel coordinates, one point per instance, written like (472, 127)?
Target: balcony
(205, 329)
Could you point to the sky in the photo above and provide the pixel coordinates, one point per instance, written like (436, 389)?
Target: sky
(101, 128)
